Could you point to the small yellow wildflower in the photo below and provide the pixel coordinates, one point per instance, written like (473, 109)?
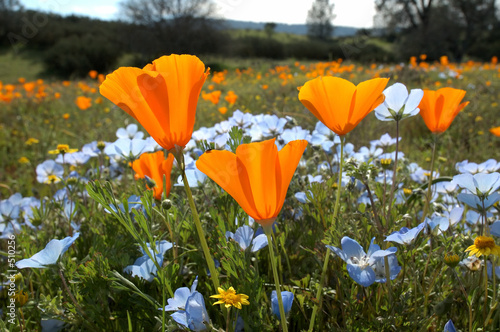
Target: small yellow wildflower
(230, 298)
(62, 148)
(31, 141)
(483, 245)
(23, 160)
(407, 191)
(21, 298)
(451, 260)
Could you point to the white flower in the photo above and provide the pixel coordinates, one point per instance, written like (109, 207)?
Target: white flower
(398, 104)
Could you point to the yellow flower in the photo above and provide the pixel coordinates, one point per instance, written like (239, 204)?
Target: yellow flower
(230, 298)
(23, 160)
(483, 245)
(31, 141)
(62, 148)
(21, 298)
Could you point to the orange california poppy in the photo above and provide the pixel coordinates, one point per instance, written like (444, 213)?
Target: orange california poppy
(338, 103)
(495, 131)
(162, 96)
(83, 102)
(439, 108)
(257, 176)
(154, 165)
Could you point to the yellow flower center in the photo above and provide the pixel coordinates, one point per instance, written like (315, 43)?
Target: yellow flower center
(52, 179)
(63, 148)
(386, 161)
(483, 242)
(407, 191)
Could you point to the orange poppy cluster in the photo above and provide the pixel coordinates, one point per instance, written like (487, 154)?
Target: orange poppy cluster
(163, 97)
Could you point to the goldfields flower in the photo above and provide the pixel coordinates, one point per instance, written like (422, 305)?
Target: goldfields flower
(257, 176)
(21, 298)
(162, 96)
(62, 148)
(483, 245)
(439, 108)
(340, 104)
(31, 141)
(230, 298)
(154, 166)
(451, 260)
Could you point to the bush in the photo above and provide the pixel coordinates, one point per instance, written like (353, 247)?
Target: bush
(76, 56)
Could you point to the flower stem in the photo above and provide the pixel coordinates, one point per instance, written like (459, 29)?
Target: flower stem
(319, 293)
(268, 230)
(394, 171)
(214, 275)
(429, 190)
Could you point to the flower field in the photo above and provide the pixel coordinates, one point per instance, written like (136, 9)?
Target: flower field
(290, 196)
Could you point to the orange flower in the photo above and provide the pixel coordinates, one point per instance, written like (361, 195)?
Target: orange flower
(93, 73)
(231, 97)
(213, 96)
(338, 103)
(223, 110)
(162, 96)
(83, 102)
(257, 176)
(439, 108)
(154, 166)
(495, 131)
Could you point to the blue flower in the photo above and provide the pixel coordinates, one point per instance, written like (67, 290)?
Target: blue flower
(49, 172)
(479, 184)
(127, 148)
(449, 327)
(129, 132)
(475, 202)
(49, 255)
(489, 166)
(178, 302)
(190, 308)
(360, 265)
(286, 297)
(495, 228)
(144, 267)
(323, 136)
(405, 235)
(385, 141)
(398, 104)
(244, 236)
(73, 159)
(195, 317)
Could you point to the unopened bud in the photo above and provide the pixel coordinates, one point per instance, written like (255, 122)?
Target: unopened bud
(166, 204)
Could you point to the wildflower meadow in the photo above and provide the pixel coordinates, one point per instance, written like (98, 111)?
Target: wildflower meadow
(267, 196)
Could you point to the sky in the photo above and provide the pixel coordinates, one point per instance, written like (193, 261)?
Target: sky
(354, 13)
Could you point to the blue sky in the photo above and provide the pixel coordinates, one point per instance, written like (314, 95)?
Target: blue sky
(357, 13)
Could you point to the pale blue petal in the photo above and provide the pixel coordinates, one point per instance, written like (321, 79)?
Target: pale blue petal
(259, 242)
(364, 277)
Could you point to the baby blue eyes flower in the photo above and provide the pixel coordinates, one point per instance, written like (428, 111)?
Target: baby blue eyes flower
(360, 265)
(48, 256)
(479, 184)
(49, 172)
(146, 268)
(495, 228)
(129, 132)
(190, 308)
(244, 236)
(405, 235)
(398, 104)
(286, 297)
(449, 327)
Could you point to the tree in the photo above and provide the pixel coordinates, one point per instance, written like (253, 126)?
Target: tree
(269, 29)
(319, 19)
(437, 27)
(173, 25)
(8, 17)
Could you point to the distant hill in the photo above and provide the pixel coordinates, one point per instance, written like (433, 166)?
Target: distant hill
(297, 29)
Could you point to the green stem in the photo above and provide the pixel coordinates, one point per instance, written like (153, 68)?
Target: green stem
(429, 190)
(485, 289)
(268, 230)
(214, 275)
(394, 171)
(319, 293)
